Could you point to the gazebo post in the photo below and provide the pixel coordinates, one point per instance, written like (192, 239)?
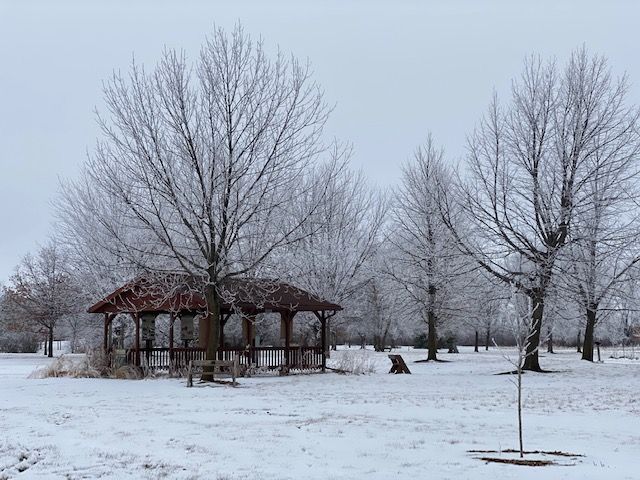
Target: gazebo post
(286, 318)
(249, 330)
(108, 337)
(172, 318)
(106, 333)
(110, 331)
(323, 339)
(136, 319)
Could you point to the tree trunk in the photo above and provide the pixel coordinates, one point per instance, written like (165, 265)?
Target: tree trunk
(531, 361)
(587, 346)
(578, 343)
(213, 326)
(432, 336)
(376, 343)
(380, 342)
(550, 343)
(334, 341)
(487, 338)
(50, 342)
(475, 346)
(44, 346)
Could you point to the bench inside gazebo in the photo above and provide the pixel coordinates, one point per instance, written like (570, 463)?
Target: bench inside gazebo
(143, 300)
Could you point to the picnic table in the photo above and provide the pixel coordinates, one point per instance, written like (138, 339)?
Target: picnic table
(398, 365)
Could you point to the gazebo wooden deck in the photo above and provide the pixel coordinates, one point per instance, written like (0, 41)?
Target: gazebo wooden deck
(144, 300)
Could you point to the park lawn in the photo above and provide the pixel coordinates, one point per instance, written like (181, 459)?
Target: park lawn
(324, 426)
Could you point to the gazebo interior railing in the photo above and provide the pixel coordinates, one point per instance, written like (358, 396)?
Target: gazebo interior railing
(163, 358)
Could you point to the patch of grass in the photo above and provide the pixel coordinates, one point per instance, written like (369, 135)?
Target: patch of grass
(523, 461)
(556, 453)
(519, 461)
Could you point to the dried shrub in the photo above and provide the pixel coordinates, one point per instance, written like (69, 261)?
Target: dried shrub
(129, 372)
(100, 361)
(65, 366)
(357, 362)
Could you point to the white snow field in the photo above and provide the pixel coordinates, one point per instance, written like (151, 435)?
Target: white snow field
(330, 426)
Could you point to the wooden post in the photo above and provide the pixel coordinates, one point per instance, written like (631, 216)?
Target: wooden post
(296, 359)
(106, 333)
(286, 318)
(223, 322)
(291, 316)
(323, 340)
(108, 337)
(110, 332)
(249, 331)
(172, 318)
(136, 319)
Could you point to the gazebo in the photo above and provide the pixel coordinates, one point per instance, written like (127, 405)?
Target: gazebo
(181, 298)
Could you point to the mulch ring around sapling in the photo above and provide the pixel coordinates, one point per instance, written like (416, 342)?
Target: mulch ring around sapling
(541, 458)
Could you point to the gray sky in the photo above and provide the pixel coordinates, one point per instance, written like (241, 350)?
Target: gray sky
(395, 71)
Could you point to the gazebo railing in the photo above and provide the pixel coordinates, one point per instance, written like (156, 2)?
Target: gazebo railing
(260, 357)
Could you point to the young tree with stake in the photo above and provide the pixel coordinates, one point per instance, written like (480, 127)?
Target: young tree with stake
(515, 320)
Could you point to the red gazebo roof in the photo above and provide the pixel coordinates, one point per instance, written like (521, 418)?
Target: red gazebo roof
(178, 293)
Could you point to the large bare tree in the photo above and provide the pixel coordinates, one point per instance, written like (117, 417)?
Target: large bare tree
(200, 162)
(605, 247)
(527, 163)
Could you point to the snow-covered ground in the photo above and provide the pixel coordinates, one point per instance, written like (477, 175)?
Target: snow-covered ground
(329, 426)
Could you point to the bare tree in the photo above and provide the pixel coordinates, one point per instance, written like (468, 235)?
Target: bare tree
(335, 259)
(200, 163)
(382, 310)
(426, 263)
(606, 231)
(515, 320)
(41, 292)
(14, 337)
(527, 165)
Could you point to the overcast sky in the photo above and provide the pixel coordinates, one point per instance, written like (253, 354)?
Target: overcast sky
(395, 71)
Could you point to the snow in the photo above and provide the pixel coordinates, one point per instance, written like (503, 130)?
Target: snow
(329, 426)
